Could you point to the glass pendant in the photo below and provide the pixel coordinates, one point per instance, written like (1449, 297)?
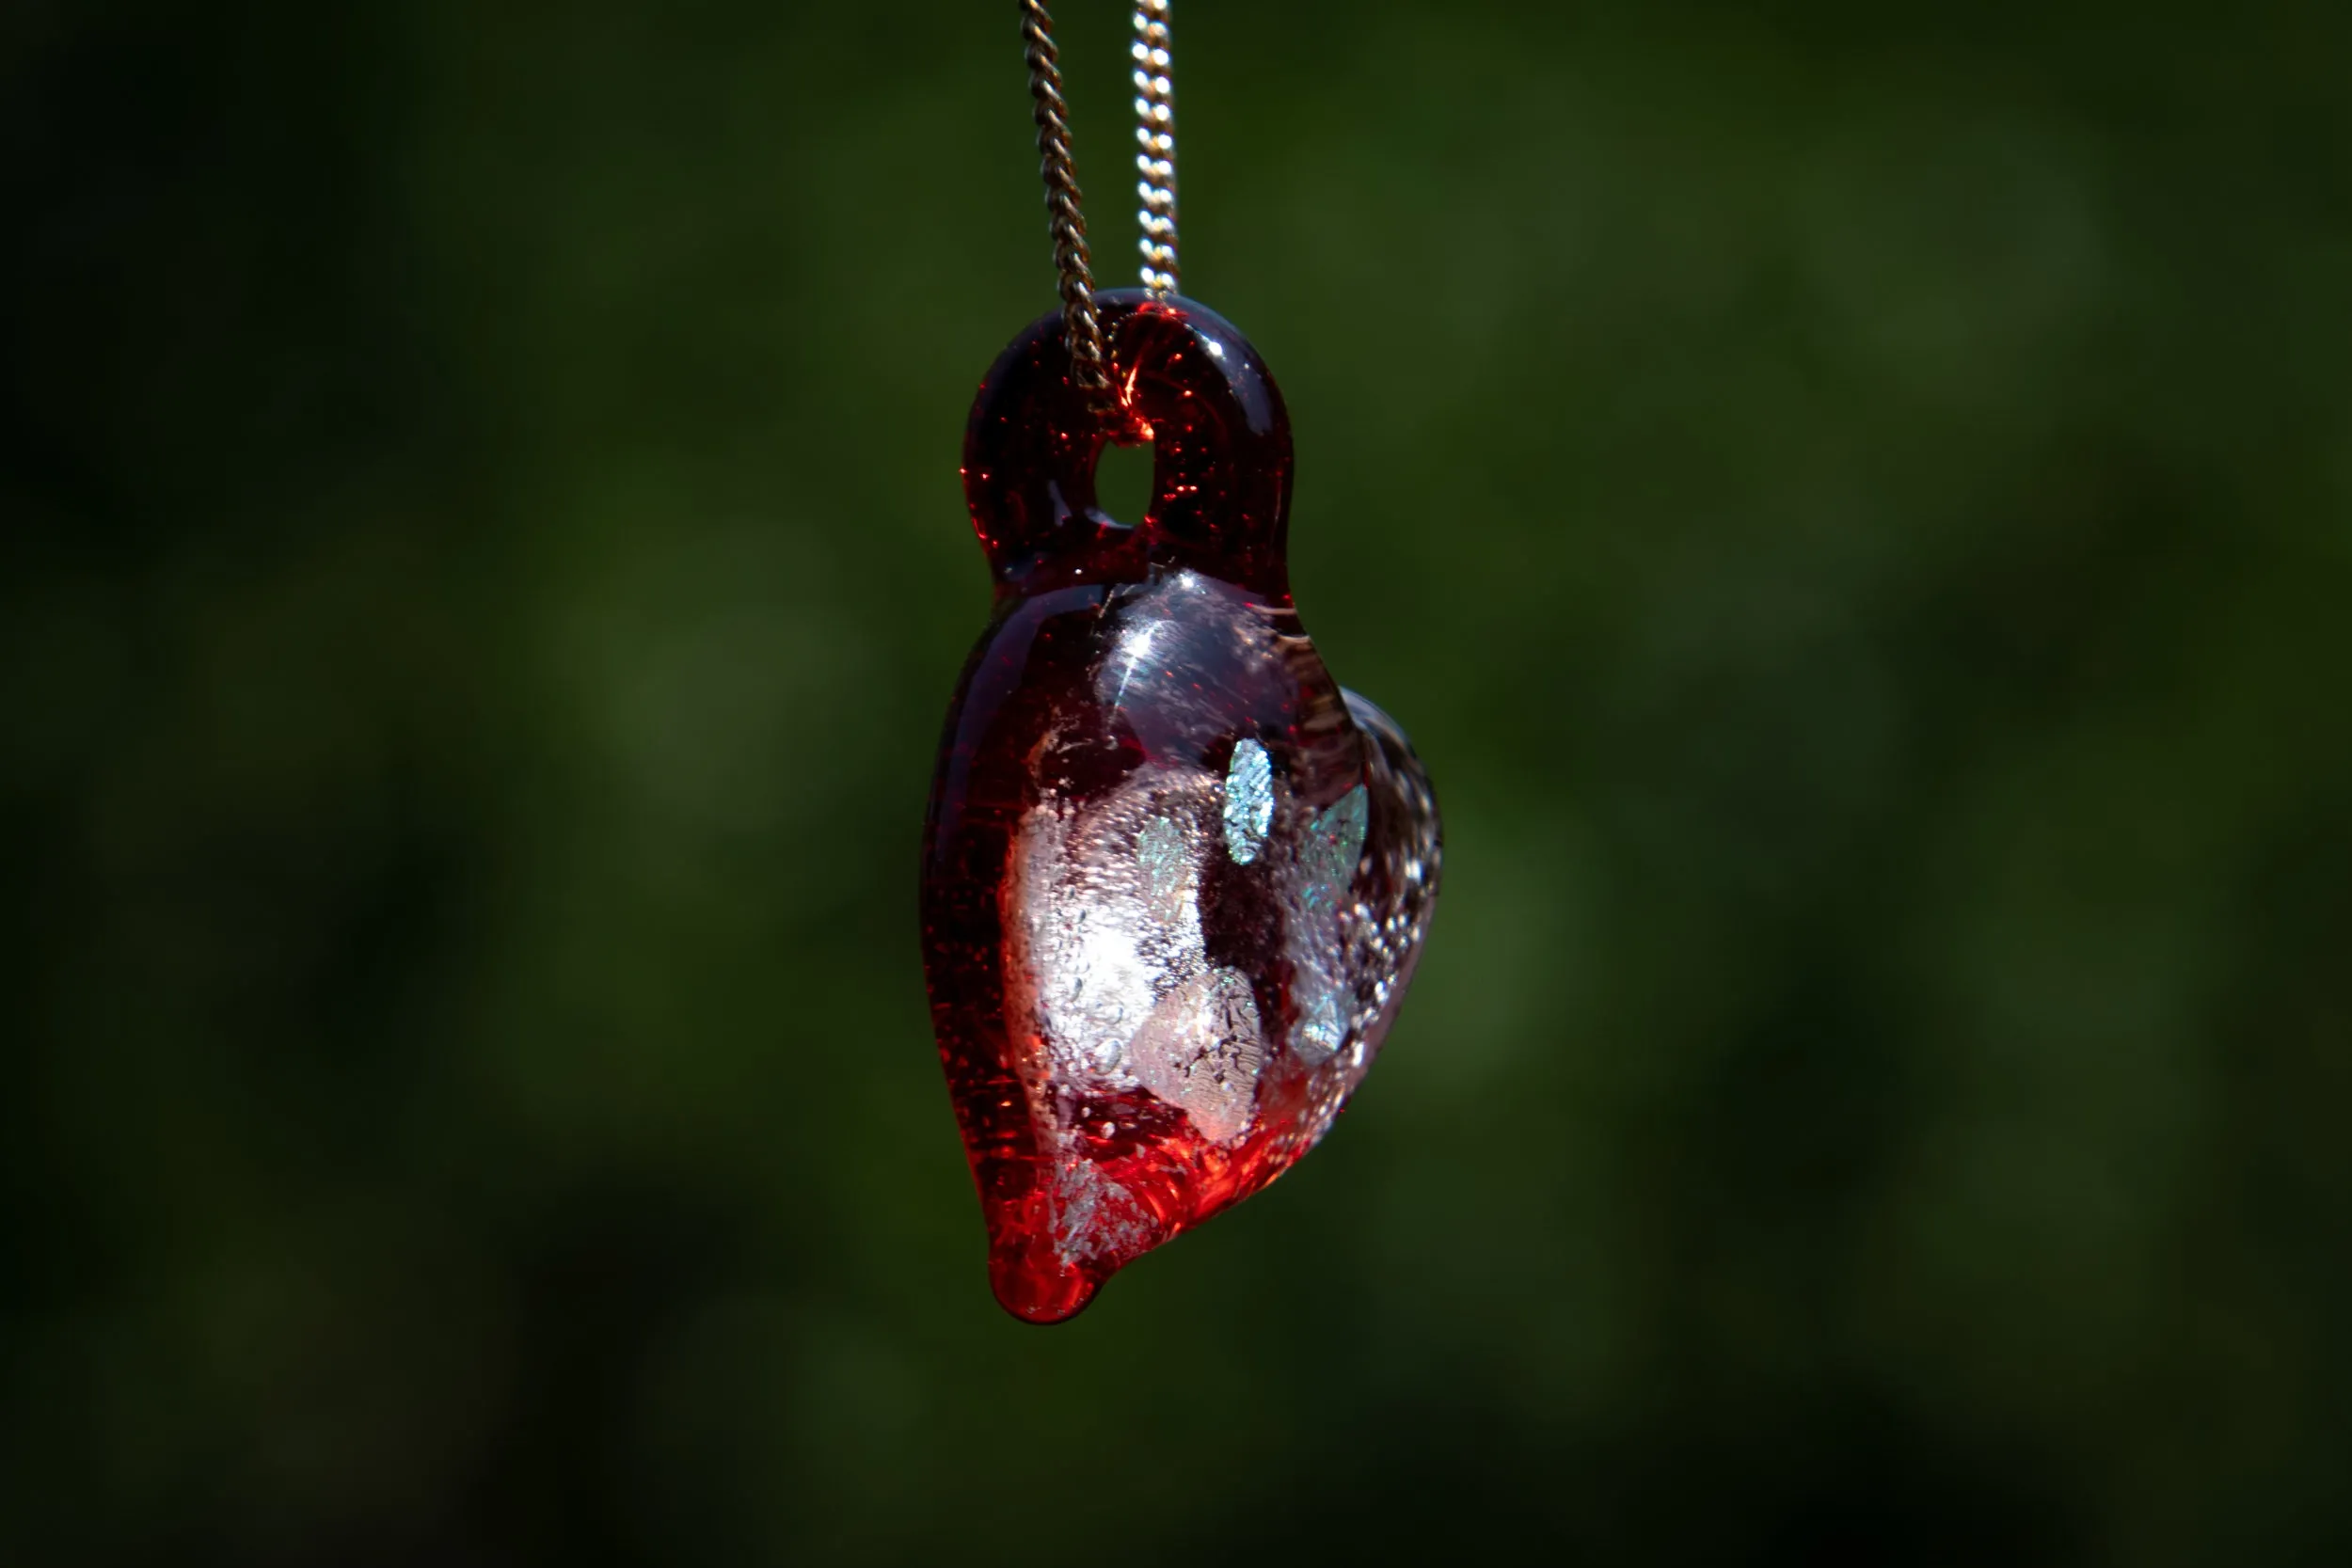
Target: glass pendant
(1175, 879)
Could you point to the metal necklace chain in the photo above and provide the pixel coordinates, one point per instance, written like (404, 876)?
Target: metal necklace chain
(1156, 162)
(1156, 138)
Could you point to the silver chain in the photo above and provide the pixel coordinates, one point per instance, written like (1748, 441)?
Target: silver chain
(1155, 161)
(1156, 138)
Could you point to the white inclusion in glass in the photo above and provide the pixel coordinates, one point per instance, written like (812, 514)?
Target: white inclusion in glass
(1248, 802)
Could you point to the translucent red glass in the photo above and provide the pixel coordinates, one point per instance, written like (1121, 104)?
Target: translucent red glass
(1175, 881)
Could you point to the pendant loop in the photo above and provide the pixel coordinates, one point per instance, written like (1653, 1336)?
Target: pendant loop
(1185, 381)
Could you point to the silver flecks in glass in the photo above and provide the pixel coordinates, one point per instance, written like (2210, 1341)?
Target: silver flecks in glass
(1160, 854)
(1201, 1050)
(1111, 963)
(1335, 842)
(1319, 1029)
(1111, 992)
(1248, 802)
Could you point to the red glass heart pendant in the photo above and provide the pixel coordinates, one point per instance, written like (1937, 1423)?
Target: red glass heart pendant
(1175, 881)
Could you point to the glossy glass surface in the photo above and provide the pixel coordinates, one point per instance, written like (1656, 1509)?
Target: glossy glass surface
(1175, 879)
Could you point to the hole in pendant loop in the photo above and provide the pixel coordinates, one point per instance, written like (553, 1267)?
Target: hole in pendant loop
(1124, 475)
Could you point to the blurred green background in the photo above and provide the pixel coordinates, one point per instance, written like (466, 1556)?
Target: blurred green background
(1853, 502)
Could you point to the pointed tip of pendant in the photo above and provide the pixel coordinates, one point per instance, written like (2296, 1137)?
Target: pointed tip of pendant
(1043, 1296)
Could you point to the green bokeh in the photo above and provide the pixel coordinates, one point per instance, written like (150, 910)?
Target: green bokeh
(1853, 503)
